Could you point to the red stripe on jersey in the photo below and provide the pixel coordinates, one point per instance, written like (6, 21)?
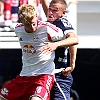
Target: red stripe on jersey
(49, 37)
(48, 24)
(18, 25)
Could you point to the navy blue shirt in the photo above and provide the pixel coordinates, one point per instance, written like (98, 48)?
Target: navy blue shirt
(60, 53)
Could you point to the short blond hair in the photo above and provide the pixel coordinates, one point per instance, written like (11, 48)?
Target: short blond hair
(25, 12)
(63, 2)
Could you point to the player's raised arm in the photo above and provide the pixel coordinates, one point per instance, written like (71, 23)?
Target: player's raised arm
(45, 5)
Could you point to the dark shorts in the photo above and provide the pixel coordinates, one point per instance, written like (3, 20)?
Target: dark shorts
(61, 88)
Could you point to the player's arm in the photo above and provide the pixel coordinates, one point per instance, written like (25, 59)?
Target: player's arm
(71, 39)
(73, 53)
(35, 3)
(70, 42)
(45, 5)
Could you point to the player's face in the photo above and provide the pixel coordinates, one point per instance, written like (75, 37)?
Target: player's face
(31, 25)
(55, 11)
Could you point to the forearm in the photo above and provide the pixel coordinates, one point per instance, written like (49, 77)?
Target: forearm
(73, 53)
(70, 68)
(45, 5)
(67, 42)
(35, 2)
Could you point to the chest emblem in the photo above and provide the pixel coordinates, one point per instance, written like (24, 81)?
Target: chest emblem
(28, 48)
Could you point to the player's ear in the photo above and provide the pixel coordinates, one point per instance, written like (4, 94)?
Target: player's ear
(64, 12)
(20, 20)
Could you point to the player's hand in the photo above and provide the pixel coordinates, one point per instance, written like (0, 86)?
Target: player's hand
(49, 47)
(67, 71)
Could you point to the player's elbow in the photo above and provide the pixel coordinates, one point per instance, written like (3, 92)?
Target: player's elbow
(77, 40)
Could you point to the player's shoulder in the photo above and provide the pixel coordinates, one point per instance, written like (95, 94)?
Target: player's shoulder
(65, 22)
(19, 27)
(64, 19)
(45, 23)
(48, 25)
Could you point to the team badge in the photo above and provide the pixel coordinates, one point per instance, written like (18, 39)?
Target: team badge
(39, 89)
(4, 91)
(65, 22)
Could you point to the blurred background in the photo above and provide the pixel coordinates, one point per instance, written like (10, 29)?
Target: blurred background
(85, 18)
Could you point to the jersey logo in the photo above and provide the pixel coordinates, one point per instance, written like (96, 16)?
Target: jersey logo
(35, 38)
(4, 91)
(28, 48)
(66, 23)
(62, 59)
(39, 89)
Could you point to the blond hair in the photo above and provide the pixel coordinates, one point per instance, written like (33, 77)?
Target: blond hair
(25, 12)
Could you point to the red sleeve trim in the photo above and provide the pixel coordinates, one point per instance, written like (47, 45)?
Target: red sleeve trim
(49, 37)
(18, 25)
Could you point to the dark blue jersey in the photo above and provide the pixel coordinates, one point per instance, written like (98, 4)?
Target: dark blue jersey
(61, 53)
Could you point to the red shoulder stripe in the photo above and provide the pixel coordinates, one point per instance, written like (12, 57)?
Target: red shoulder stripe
(50, 25)
(18, 25)
(49, 37)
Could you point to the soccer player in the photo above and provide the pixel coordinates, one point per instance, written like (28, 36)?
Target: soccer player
(37, 75)
(56, 15)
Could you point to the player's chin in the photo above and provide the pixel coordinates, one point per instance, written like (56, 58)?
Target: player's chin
(51, 20)
(34, 29)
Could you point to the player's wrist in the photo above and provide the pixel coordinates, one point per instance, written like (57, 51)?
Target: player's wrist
(72, 68)
(57, 44)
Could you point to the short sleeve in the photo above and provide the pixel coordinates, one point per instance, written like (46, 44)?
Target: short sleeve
(55, 34)
(64, 24)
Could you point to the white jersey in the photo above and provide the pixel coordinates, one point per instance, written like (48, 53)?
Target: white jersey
(34, 61)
